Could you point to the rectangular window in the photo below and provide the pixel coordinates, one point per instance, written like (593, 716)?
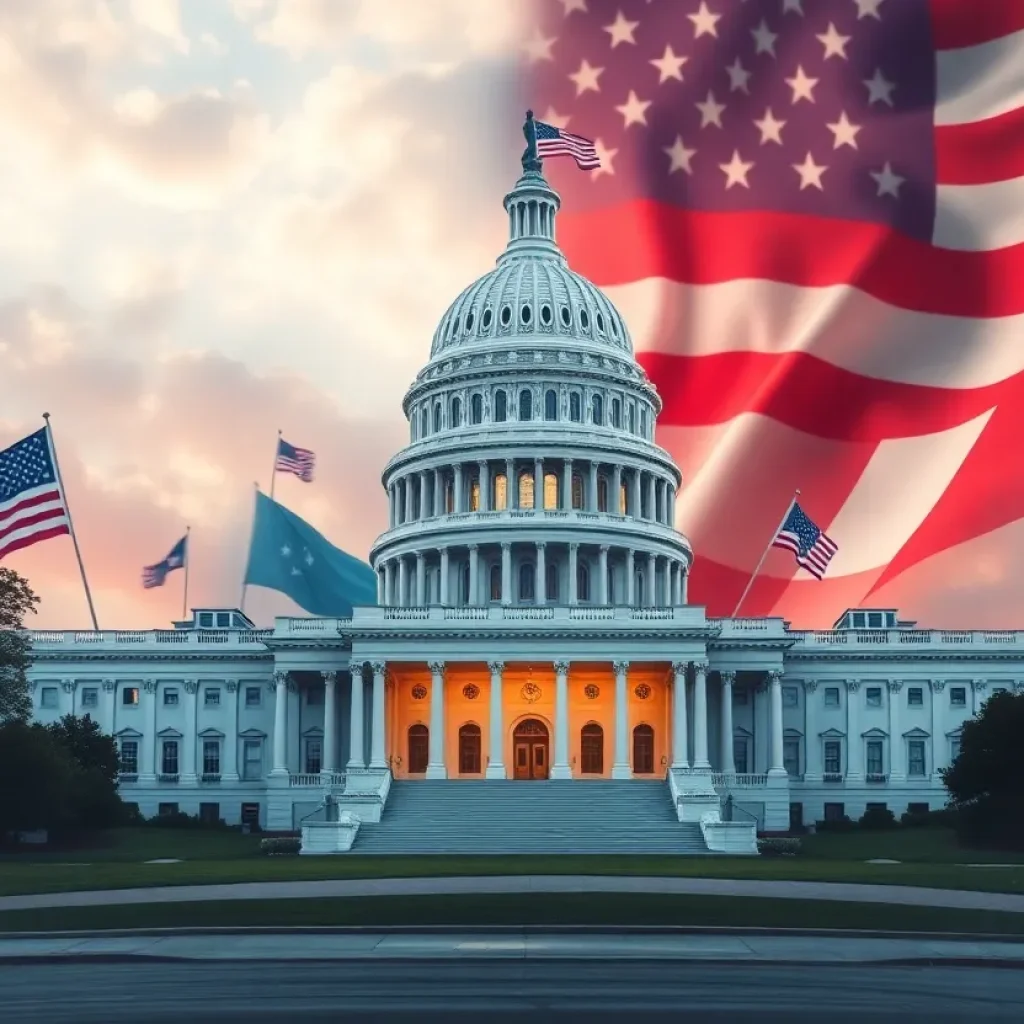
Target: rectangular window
(211, 697)
(874, 696)
(833, 757)
(790, 697)
(209, 814)
(164, 809)
(954, 747)
(169, 757)
(253, 696)
(130, 696)
(739, 755)
(170, 698)
(206, 620)
(48, 698)
(90, 697)
(834, 812)
(958, 697)
(874, 620)
(223, 620)
(252, 760)
(129, 757)
(915, 696)
(314, 754)
(251, 815)
(915, 757)
(999, 689)
(791, 756)
(211, 757)
(874, 757)
(918, 808)
(831, 696)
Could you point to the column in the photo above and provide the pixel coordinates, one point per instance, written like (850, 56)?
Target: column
(421, 579)
(560, 767)
(670, 493)
(728, 761)
(775, 763)
(330, 759)
(485, 486)
(474, 575)
(666, 583)
(438, 493)
(677, 577)
(378, 754)
(423, 507)
(407, 484)
(506, 573)
(854, 758)
(496, 761)
(603, 596)
(700, 716)
(620, 765)
(652, 580)
(630, 579)
(938, 755)
(684, 571)
(573, 564)
(680, 755)
(635, 510)
(541, 581)
(187, 765)
(567, 485)
(897, 755)
(403, 586)
(511, 491)
(389, 582)
(812, 741)
(381, 599)
(615, 501)
(661, 505)
(110, 705)
(457, 502)
(229, 769)
(435, 762)
(652, 497)
(392, 516)
(538, 485)
(445, 572)
(147, 748)
(592, 488)
(356, 721)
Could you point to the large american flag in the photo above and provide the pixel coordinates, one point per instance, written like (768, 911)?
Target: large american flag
(32, 507)
(552, 141)
(811, 213)
(299, 461)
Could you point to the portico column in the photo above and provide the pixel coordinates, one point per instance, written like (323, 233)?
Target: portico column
(496, 761)
(897, 758)
(403, 587)
(506, 572)
(666, 582)
(700, 716)
(676, 581)
(775, 766)
(147, 752)
(636, 503)
(187, 768)
(854, 749)
(573, 563)
(680, 755)
(474, 575)
(510, 484)
(485, 486)
(652, 497)
(421, 579)
(438, 493)
(392, 516)
(615, 504)
(670, 493)
(435, 764)
(389, 582)
(457, 495)
(567, 485)
(630, 579)
(560, 768)
(422, 507)
(684, 571)
(652, 580)
(357, 720)
(407, 484)
(541, 581)
(603, 596)
(728, 761)
(445, 572)
(538, 485)
(378, 756)
(592, 497)
(230, 769)
(620, 766)
(330, 755)
(280, 723)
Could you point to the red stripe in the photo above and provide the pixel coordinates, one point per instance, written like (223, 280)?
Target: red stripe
(981, 152)
(960, 23)
(9, 526)
(811, 395)
(698, 247)
(38, 499)
(33, 538)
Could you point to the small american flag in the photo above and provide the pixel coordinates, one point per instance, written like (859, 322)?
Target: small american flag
(811, 545)
(32, 507)
(552, 141)
(299, 461)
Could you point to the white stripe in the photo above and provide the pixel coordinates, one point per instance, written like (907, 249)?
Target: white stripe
(35, 492)
(977, 82)
(977, 218)
(15, 535)
(899, 487)
(840, 325)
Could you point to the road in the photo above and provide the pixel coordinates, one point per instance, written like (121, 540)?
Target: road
(502, 990)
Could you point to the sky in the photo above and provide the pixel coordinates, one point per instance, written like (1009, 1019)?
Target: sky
(221, 218)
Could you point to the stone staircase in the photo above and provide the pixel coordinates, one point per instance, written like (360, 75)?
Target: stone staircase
(505, 816)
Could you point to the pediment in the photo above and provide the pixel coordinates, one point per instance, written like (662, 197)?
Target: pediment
(792, 734)
(955, 732)
(128, 734)
(169, 734)
(917, 733)
(832, 734)
(252, 734)
(314, 730)
(212, 734)
(875, 734)
(742, 733)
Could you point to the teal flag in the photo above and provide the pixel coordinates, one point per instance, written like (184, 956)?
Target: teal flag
(288, 555)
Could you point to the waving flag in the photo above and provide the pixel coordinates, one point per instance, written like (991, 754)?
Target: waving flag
(298, 461)
(552, 141)
(813, 548)
(811, 213)
(156, 575)
(32, 507)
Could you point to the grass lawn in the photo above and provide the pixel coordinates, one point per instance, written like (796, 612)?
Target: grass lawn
(554, 908)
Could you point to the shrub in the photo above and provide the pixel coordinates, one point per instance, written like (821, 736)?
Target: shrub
(843, 824)
(778, 847)
(280, 844)
(878, 818)
(944, 817)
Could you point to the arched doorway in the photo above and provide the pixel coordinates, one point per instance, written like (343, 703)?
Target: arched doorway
(592, 749)
(643, 750)
(469, 749)
(419, 749)
(530, 749)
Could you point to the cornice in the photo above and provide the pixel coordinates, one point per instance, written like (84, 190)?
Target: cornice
(918, 655)
(141, 654)
(506, 635)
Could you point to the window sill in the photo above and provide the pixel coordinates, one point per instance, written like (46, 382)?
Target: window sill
(833, 777)
(876, 778)
(167, 778)
(210, 777)
(128, 777)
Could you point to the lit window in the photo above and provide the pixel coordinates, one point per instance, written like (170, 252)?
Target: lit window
(500, 493)
(550, 490)
(130, 696)
(525, 490)
(474, 496)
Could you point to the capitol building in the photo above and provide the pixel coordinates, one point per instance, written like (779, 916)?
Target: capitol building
(533, 676)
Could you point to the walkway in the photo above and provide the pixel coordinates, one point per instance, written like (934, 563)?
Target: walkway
(338, 887)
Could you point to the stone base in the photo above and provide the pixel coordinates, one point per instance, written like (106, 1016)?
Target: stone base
(329, 837)
(622, 771)
(436, 771)
(495, 771)
(561, 771)
(729, 836)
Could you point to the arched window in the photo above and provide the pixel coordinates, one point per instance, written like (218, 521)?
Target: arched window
(476, 408)
(551, 404)
(551, 583)
(582, 582)
(525, 405)
(500, 496)
(616, 413)
(437, 417)
(419, 749)
(598, 409)
(551, 490)
(474, 496)
(469, 749)
(577, 491)
(602, 494)
(525, 490)
(574, 407)
(526, 578)
(449, 496)
(622, 500)
(643, 421)
(638, 588)
(464, 584)
(592, 749)
(643, 750)
(495, 582)
(500, 406)
(456, 412)
(425, 422)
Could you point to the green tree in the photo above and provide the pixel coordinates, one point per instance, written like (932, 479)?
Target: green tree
(984, 782)
(95, 799)
(16, 601)
(42, 777)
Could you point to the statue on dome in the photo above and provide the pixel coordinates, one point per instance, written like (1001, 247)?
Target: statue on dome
(531, 161)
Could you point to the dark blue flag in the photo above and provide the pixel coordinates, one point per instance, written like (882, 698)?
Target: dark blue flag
(155, 575)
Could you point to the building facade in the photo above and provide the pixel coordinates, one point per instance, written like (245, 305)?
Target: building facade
(532, 619)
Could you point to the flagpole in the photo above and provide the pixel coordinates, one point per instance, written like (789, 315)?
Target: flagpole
(273, 472)
(188, 558)
(245, 586)
(71, 525)
(771, 543)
